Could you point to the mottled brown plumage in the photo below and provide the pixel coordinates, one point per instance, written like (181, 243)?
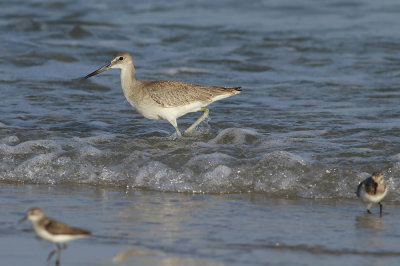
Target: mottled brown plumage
(176, 93)
(58, 228)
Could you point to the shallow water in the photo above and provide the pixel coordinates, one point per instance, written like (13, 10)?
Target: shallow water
(133, 227)
(319, 105)
(319, 110)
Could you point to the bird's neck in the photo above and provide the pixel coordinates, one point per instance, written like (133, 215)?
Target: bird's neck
(38, 225)
(128, 80)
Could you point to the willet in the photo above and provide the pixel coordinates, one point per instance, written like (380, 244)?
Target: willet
(53, 231)
(372, 190)
(165, 99)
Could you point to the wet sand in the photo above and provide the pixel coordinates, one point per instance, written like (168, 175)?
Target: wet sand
(134, 227)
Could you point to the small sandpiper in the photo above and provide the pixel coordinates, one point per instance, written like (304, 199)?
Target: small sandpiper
(372, 190)
(53, 231)
(165, 99)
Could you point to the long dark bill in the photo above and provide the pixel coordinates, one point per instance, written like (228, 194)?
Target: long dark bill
(98, 71)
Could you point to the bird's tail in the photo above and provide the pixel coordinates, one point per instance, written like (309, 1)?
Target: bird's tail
(234, 90)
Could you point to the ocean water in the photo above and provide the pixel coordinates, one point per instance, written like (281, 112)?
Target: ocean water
(319, 112)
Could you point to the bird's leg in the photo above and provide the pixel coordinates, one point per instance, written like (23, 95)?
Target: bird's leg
(178, 132)
(51, 254)
(368, 211)
(59, 249)
(201, 118)
(380, 209)
(175, 125)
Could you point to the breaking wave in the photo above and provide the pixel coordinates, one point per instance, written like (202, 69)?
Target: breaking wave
(234, 161)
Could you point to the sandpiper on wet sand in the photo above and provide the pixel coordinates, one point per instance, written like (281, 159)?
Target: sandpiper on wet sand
(372, 190)
(53, 231)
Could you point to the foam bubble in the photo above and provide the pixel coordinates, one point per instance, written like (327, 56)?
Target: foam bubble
(153, 173)
(203, 162)
(219, 176)
(284, 158)
(89, 151)
(33, 146)
(279, 171)
(37, 169)
(62, 161)
(234, 136)
(11, 140)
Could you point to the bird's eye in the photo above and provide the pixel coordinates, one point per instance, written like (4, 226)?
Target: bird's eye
(121, 58)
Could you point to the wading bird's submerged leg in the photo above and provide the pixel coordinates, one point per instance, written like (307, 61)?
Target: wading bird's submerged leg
(175, 125)
(201, 118)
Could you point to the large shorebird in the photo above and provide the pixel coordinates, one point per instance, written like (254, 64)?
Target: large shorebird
(372, 190)
(53, 231)
(165, 99)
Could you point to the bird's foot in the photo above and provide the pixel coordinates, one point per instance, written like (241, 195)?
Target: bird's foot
(175, 136)
(188, 132)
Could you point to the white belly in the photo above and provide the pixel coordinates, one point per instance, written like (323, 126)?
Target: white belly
(43, 234)
(367, 198)
(167, 113)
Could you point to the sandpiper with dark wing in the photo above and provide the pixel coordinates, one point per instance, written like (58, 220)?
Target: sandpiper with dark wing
(165, 99)
(372, 190)
(51, 230)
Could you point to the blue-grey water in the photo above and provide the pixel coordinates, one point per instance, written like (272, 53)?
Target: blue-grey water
(268, 177)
